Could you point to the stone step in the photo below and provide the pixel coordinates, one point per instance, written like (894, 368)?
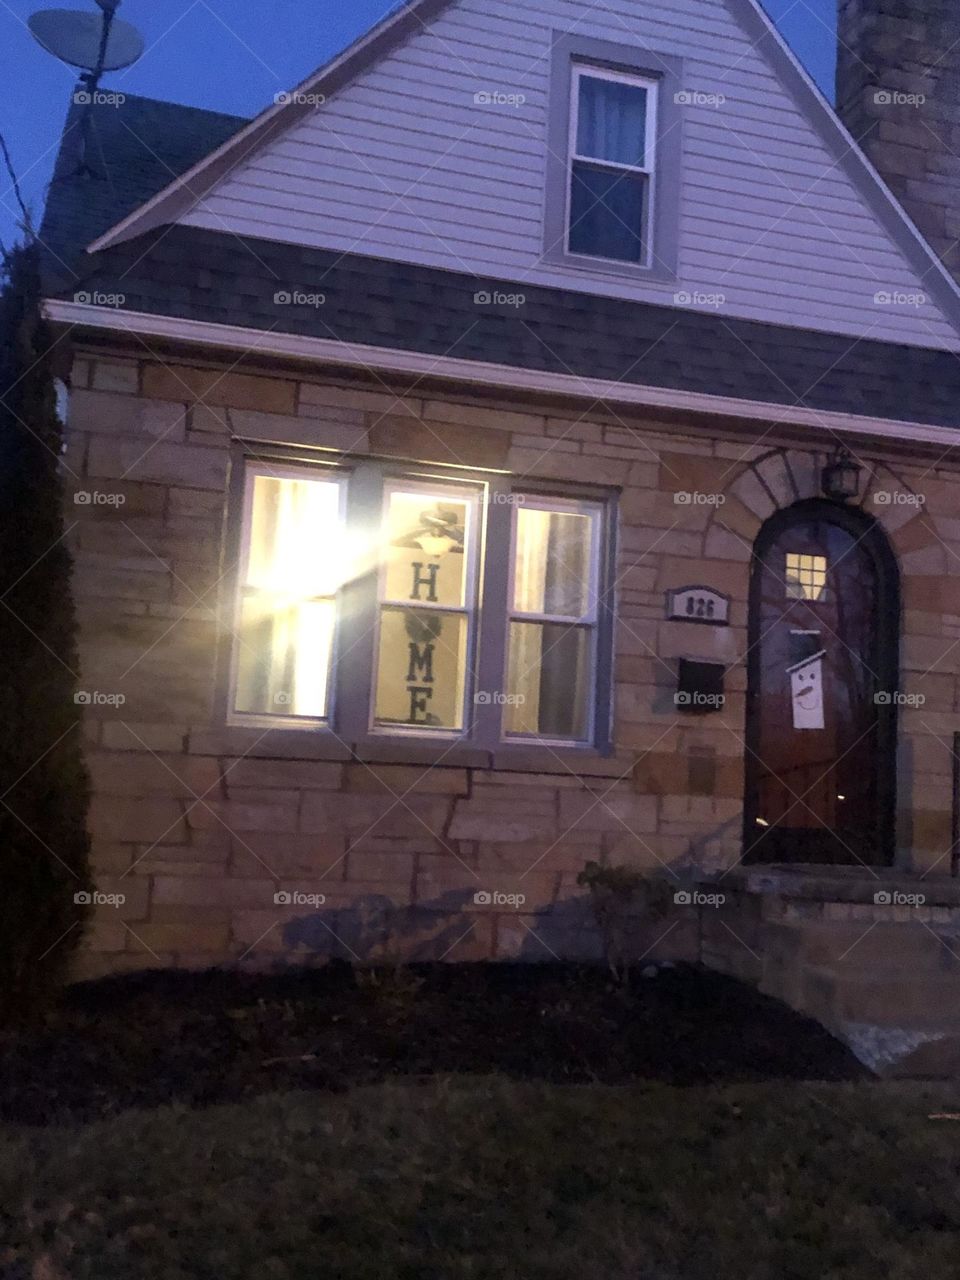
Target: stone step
(888, 949)
(914, 1000)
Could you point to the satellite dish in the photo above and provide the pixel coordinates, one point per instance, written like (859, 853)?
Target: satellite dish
(75, 38)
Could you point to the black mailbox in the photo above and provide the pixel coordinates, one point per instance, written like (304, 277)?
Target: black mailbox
(699, 687)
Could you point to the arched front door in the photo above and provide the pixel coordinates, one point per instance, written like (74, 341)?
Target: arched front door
(821, 691)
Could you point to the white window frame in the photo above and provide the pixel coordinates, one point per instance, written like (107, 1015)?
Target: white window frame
(579, 71)
(472, 495)
(252, 468)
(493, 501)
(588, 621)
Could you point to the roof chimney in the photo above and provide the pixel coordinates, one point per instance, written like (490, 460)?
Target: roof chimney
(898, 92)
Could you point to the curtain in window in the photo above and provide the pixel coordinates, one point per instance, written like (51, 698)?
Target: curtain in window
(612, 121)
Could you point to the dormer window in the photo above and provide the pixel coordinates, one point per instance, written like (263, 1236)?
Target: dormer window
(612, 164)
(614, 159)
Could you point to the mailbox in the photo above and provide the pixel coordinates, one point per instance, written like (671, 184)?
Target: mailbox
(699, 687)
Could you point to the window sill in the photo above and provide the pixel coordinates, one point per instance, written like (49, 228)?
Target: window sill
(322, 745)
(585, 265)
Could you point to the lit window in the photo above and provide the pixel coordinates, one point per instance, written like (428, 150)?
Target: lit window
(805, 577)
(285, 630)
(553, 621)
(612, 143)
(427, 584)
(377, 601)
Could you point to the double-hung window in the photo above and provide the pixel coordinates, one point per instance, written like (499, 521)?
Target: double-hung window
(612, 164)
(387, 602)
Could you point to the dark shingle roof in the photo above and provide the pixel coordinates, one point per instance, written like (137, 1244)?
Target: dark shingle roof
(136, 149)
(218, 277)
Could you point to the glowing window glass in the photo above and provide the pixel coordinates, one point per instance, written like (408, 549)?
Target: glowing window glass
(805, 577)
(284, 637)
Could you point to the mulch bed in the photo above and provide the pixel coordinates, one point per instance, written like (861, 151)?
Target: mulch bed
(149, 1039)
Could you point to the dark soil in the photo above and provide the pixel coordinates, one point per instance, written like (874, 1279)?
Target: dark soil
(148, 1039)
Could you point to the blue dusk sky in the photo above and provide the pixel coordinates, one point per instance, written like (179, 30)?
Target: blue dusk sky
(233, 56)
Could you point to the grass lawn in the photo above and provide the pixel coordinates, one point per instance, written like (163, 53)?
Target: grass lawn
(487, 1178)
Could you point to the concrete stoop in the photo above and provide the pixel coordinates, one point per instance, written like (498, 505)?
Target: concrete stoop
(874, 956)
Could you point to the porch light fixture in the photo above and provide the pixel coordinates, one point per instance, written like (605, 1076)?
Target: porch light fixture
(840, 478)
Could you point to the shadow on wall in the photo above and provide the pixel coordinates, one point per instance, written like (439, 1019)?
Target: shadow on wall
(454, 927)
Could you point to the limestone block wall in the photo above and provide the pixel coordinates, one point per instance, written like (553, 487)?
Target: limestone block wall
(199, 825)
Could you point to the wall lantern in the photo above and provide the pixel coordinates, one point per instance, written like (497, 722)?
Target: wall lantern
(840, 478)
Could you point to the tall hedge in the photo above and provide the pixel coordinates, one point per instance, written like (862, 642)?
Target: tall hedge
(43, 784)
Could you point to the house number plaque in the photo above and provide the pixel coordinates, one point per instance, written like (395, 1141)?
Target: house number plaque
(698, 604)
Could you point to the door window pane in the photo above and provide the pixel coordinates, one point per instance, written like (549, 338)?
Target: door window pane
(284, 641)
(805, 577)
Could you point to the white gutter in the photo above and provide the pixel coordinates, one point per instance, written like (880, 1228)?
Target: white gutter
(503, 377)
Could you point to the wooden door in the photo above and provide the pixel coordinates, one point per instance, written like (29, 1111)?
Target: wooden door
(821, 702)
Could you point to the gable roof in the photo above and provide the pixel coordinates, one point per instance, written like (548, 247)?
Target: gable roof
(189, 187)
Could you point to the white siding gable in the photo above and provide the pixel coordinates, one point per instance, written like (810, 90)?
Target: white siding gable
(402, 163)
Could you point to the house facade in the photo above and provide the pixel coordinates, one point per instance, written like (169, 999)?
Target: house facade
(531, 441)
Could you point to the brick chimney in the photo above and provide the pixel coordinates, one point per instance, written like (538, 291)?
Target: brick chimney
(898, 92)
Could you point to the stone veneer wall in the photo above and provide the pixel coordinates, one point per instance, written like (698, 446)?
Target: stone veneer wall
(898, 92)
(198, 825)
